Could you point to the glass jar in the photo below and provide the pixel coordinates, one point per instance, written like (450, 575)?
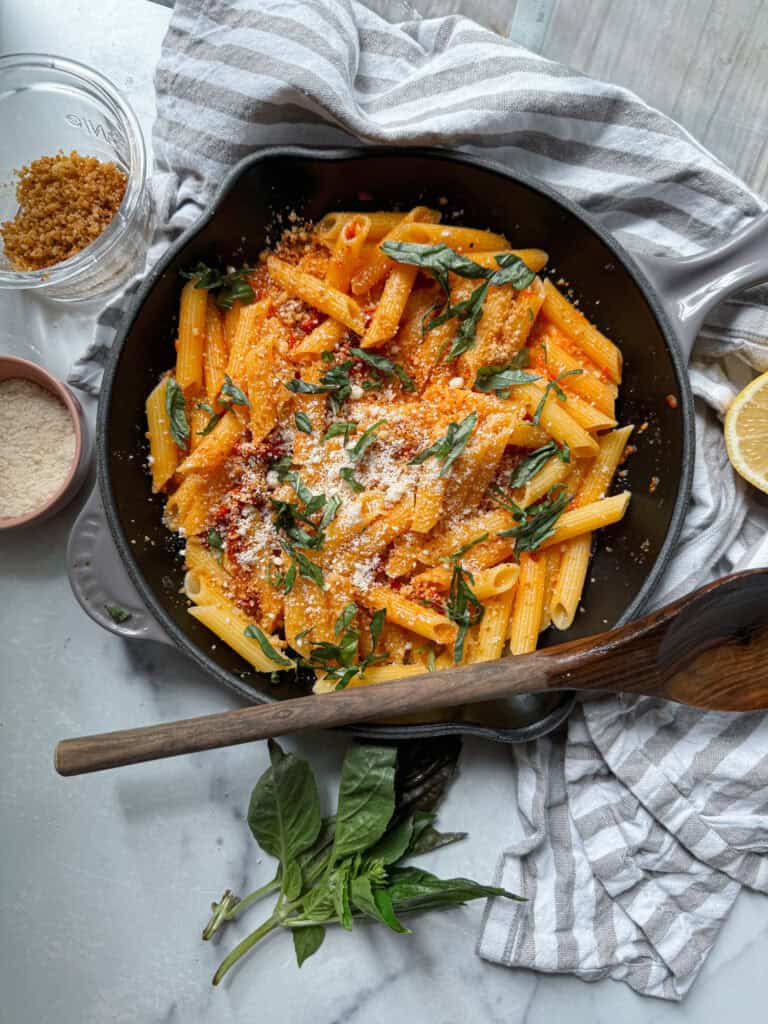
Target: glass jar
(50, 105)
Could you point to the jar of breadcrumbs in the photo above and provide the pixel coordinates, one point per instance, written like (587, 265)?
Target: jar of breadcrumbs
(75, 210)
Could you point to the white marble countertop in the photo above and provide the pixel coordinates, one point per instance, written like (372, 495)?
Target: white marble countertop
(105, 880)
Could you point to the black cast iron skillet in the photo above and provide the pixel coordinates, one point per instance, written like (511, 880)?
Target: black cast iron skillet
(612, 291)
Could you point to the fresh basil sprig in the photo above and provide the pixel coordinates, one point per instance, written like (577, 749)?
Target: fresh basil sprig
(341, 869)
(229, 288)
(176, 411)
(447, 449)
(535, 462)
(536, 523)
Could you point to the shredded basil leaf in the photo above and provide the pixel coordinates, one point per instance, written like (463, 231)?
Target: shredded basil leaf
(254, 633)
(229, 288)
(303, 422)
(450, 447)
(233, 392)
(117, 614)
(536, 523)
(176, 410)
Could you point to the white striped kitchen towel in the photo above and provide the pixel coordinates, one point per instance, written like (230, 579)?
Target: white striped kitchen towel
(642, 821)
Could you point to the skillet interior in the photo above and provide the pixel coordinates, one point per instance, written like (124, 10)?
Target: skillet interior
(630, 556)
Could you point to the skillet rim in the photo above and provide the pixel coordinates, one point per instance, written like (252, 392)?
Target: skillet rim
(458, 158)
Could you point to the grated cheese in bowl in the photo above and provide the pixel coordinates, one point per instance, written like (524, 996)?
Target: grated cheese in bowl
(37, 446)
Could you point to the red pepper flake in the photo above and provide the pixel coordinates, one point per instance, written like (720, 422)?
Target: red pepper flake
(312, 321)
(671, 401)
(629, 450)
(368, 312)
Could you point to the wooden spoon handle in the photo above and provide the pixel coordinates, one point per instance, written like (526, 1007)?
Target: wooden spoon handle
(488, 681)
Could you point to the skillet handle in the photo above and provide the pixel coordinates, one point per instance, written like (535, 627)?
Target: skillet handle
(99, 580)
(689, 288)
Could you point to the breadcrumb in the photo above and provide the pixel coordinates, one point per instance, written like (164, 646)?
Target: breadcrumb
(65, 202)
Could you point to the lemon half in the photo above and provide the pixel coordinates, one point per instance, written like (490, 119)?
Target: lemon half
(746, 433)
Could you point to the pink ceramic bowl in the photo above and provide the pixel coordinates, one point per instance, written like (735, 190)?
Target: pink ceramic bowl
(10, 366)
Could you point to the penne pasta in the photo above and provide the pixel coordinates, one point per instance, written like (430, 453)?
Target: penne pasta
(525, 621)
(215, 447)
(572, 322)
(410, 615)
(593, 516)
(322, 296)
(323, 338)
(377, 268)
(192, 323)
(343, 472)
(250, 323)
(215, 353)
(487, 582)
(346, 252)
(163, 451)
(381, 223)
(390, 307)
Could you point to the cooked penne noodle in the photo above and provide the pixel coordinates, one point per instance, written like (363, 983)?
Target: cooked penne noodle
(389, 310)
(461, 239)
(330, 301)
(570, 581)
(572, 322)
(201, 560)
(494, 627)
(381, 223)
(552, 558)
(231, 316)
(376, 270)
(229, 624)
(554, 471)
(593, 516)
(558, 423)
(324, 338)
(215, 447)
(198, 421)
(612, 447)
(163, 451)
(346, 252)
(259, 370)
(215, 353)
(428, 507)
(192, 317)
(411, 615)
(487, 582)
(585, 414)
(525, 623)
(575, 559)
(600, 393)
(250, 323)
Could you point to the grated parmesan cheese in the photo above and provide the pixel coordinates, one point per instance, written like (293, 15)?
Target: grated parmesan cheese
(37, 446)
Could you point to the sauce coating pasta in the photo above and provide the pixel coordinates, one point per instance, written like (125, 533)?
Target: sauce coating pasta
(384, 453)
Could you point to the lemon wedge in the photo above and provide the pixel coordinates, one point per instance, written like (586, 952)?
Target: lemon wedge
(746, 433)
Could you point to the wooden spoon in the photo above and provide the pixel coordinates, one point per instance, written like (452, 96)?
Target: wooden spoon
(708, 650)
